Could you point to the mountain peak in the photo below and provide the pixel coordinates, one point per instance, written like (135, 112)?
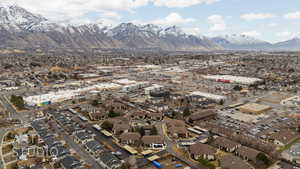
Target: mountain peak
(129, 24)
(242, 39)
(17, 17)
(18, 21)
(296, 38)
(173, 30)
(151, 28)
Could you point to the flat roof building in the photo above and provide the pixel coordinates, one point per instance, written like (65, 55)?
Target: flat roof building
(254, 108)
(292, 101)
(233, 79)
(217, 98)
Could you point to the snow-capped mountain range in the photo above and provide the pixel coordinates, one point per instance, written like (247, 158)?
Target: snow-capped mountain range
(243, 42)
(242, 39)
(236, 41)
(20, 28)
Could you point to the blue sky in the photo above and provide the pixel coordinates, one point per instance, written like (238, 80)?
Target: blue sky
(271, 20)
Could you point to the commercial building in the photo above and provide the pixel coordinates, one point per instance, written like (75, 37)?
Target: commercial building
(234, 79)
(254, 108)
(153, 88)
(124, 81)
(135, 86)
(274, 97)
(209, 96)
(64, 95)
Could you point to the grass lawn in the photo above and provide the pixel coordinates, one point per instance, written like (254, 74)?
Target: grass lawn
(289, 144)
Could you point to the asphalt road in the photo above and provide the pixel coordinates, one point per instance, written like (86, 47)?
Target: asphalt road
(2, 133)
(14, 115)
(104, 139)
(23, 116)
(79, 150)
(171, 144)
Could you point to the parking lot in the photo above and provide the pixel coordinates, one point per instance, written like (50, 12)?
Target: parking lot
(257, 126)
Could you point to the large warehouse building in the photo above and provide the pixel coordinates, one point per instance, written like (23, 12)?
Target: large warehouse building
(216, 98)
(63, 95)
(254, 108)
(233, 79)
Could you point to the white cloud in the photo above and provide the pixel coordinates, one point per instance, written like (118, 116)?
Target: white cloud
(172, 19)
(293, 15)
(181, 3)
(111, 14)
(138, 22)
(256, 16)
(193, 31)
(108, 22)
(272, 24)
(284, 34)
(75, 10)
(68, 10)
(251, 33)
(217, 23)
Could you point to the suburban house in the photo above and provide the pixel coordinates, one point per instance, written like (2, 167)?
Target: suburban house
(202, 151)
(73, 129)
(234, 162)
(119, 120)
(59, 152)
(202, 116)
(160, 107)
(96, 116)
(109, 161)
(174, 122)
(246, 153)
(225, 144)
(83, 137)
(139, 115)
(87, 108)
(117, 106)
(130, 138)
(153, 142)
(178, 132)
(177, 128)
(155, 100)
(120, 128)
(93, 147)
(51, 142)
(156, 116)
(283, 137)
(70, 162)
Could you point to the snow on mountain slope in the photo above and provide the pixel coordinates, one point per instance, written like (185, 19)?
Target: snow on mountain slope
(292, 44)
(242, 39)
(37, 31)
(174, 30)
(238, 41)
(19, 18)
